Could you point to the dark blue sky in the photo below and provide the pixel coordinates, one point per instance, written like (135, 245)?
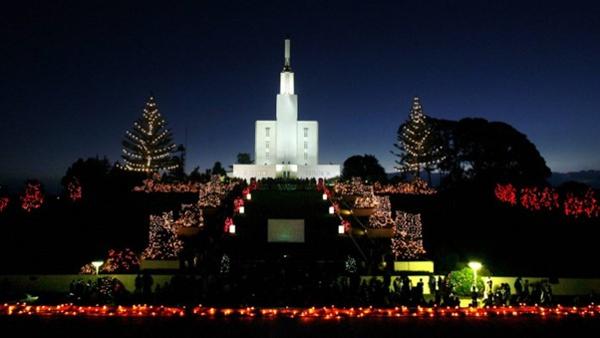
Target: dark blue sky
(74, 77)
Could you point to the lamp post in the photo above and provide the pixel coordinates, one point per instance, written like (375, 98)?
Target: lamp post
(475, 266)
(97, 265)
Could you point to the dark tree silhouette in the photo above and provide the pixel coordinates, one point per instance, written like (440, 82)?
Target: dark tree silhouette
(488, 152)
(366, 167)
(244, 158)
(218, 169)
(91, 173)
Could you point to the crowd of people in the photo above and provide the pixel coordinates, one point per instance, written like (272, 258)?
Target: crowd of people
(306, 289)
(284, 286)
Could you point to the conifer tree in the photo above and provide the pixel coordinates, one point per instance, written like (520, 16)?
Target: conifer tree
(148, 147)
(415, 143)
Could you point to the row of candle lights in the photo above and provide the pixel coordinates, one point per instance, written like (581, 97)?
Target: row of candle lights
(66, 310)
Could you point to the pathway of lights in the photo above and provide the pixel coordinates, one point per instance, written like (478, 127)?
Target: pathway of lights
(318, 313)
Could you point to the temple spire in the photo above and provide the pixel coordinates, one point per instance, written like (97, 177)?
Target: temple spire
(287, 67)
(286, 77)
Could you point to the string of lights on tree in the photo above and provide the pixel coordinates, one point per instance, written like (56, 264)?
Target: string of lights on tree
(33, 198)
(548, 199)
(415, 142)
(407, 240)
(148, 147)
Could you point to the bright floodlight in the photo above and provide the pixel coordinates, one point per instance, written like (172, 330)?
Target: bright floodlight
(248, 196)
(331, 210)
(475, 266)
(97, 265)
(341, 229)
(324, 197)
(232, 229)
(242, 210)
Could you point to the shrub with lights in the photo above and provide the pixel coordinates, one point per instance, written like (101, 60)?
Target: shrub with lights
(461, 282)
(162, 239)
(121, 261)
(382, 217)
(33, 198)
(417, 186)
(506, 193)
(116, 261)
(586, 205)
(407, 240)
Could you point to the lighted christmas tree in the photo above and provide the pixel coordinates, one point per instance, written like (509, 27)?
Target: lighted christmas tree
(415, 143)
(148, 147)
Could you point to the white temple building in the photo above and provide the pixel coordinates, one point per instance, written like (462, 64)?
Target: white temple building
(286, 147)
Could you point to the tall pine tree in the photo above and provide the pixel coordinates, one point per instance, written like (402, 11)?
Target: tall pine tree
(417, 149)
(148, 147)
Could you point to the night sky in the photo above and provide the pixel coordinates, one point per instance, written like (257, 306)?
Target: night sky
(75, 76)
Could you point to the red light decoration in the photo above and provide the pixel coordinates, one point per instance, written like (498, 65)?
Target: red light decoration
(237, 203)
(4, 203)
(548, 199)
(586, 205)
(506, 193)
(312, 313)
(532, 198)
(228, 223)
(33, 198)
(347, 225)
(75, 190)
